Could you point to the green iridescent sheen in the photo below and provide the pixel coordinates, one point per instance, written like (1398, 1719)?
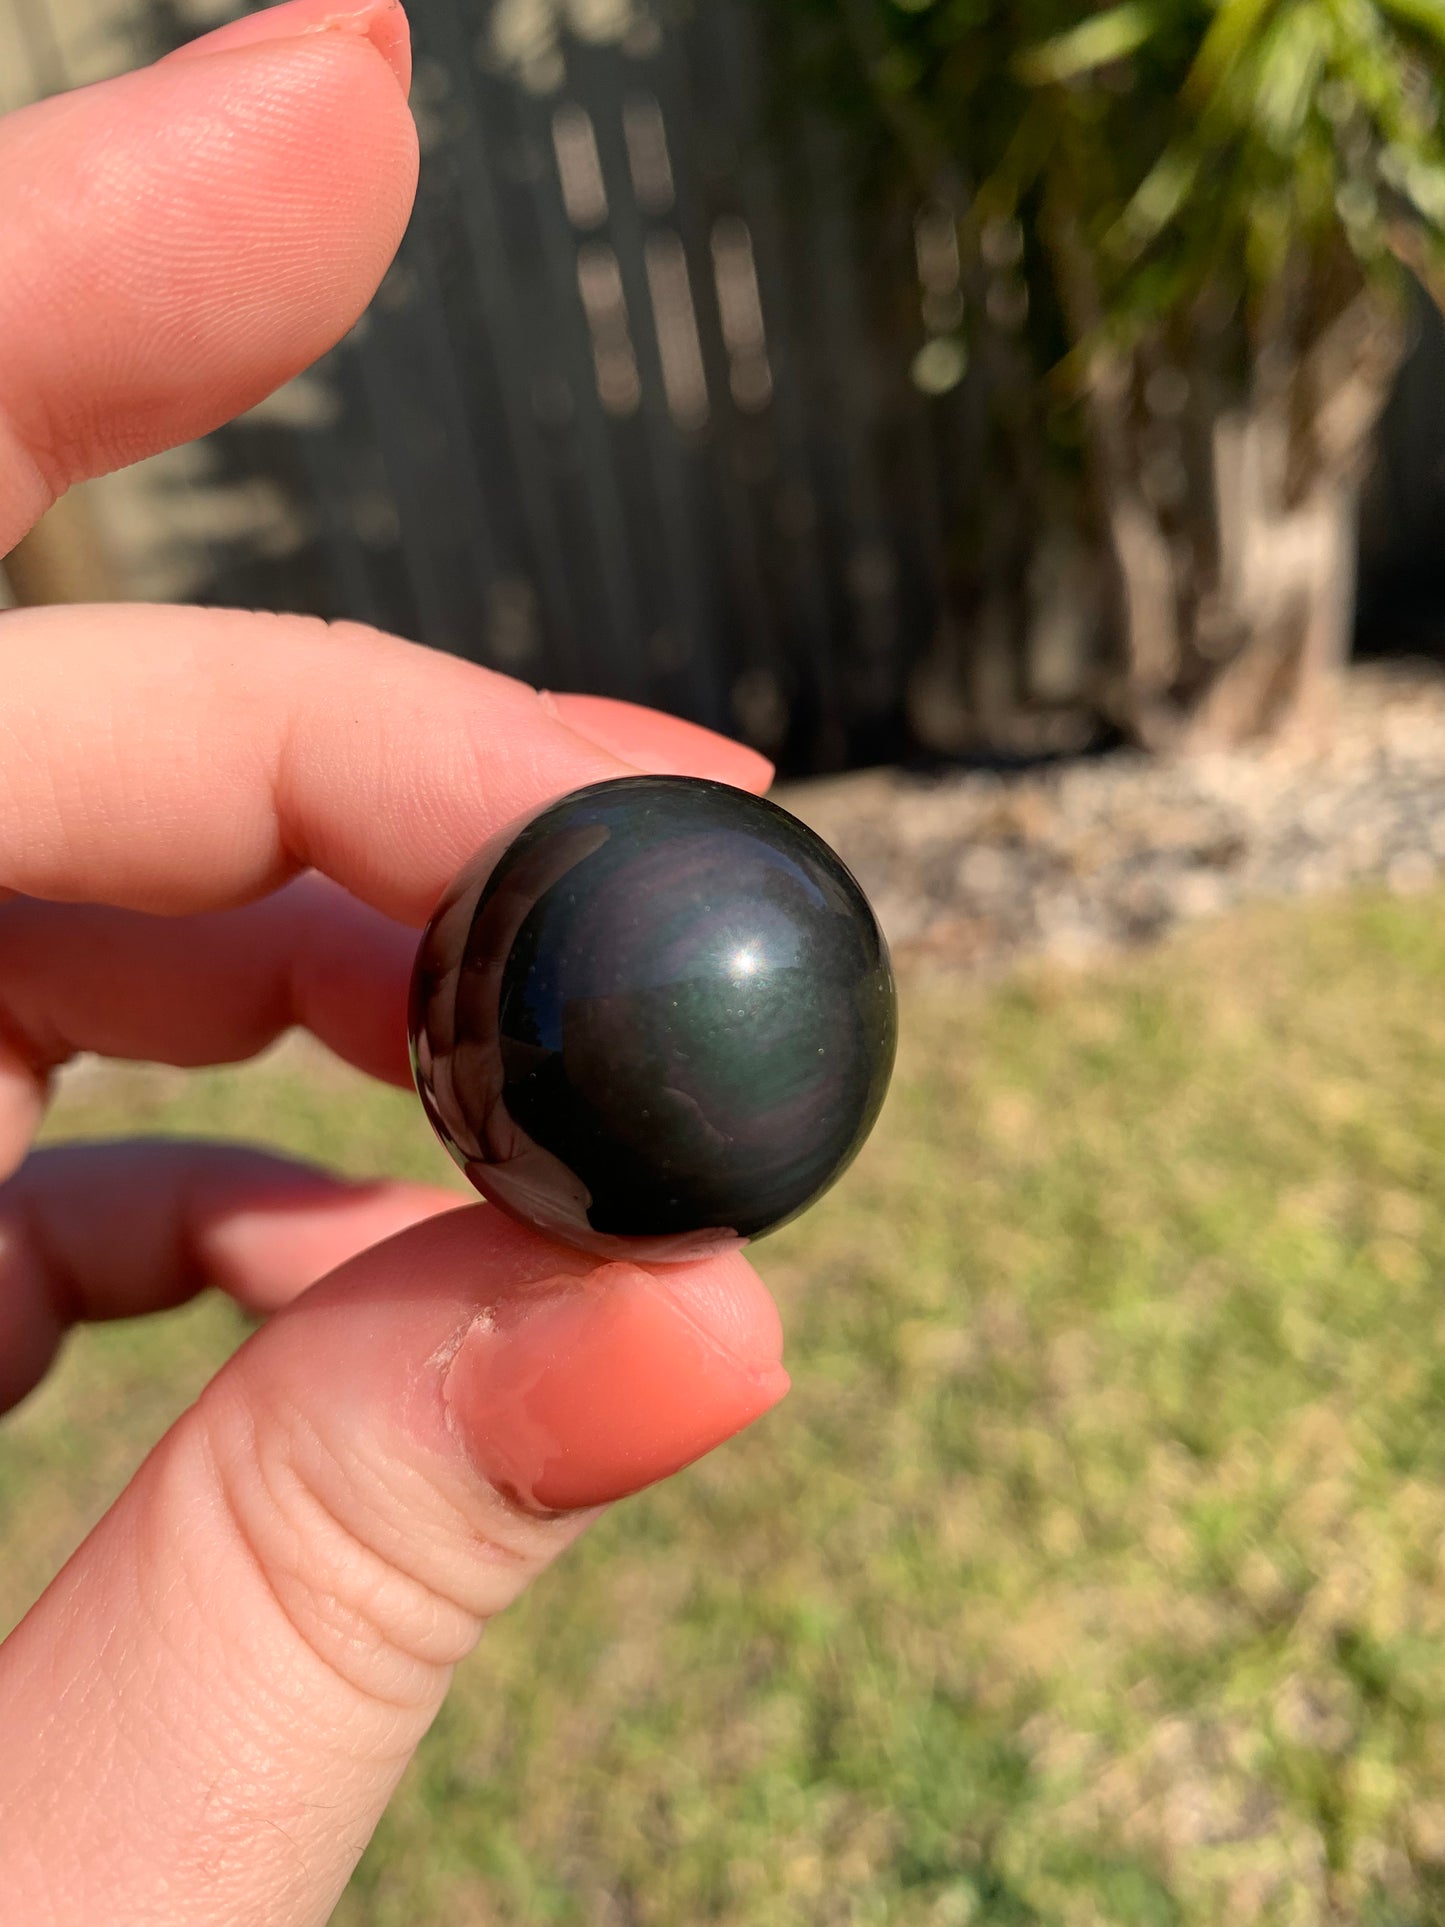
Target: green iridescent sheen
(663, 1014)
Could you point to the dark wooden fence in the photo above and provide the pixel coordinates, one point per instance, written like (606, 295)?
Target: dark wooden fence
(646, 405)
(618, 418)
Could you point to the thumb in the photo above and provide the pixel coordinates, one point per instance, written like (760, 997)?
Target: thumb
(207, 1711)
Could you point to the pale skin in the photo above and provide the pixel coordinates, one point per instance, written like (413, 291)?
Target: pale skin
(214, 826)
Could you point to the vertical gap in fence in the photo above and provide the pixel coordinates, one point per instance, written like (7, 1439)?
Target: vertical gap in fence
(603, 558)
(728, 56)
(735, 351)
(668, 464)
(499, 355)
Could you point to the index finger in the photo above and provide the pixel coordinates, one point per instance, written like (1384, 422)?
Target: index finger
(177, 760)
(178, 242)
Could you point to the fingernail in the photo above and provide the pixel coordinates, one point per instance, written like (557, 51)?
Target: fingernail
(590, 1388)
(661, 745)
(382, 22)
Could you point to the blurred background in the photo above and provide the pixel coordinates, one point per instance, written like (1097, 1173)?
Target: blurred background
(1026, 422)
(869, 378)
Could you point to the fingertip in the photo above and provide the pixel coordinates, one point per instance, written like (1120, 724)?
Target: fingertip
(273, 1244)
(584, 1391)
(389, 32)
(382, 22)
(726, 1299)
(185, 239)
(663, 745)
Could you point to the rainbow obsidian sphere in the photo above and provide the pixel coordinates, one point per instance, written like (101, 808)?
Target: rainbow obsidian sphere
(657, 1020)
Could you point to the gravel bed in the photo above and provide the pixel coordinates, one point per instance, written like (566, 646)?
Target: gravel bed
(974, 869)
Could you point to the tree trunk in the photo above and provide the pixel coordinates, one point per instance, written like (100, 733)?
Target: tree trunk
(1234, 530)
(1232, 516)
(1285, 597)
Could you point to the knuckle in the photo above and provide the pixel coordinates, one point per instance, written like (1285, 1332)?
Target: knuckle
(313, 1528)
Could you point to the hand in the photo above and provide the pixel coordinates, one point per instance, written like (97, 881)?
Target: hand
(213, 826)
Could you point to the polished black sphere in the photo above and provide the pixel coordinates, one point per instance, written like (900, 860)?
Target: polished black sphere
(660, 1019)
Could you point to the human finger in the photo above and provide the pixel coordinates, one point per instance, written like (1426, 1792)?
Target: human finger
(179, 760)
(100, 1231)
(208, 989)
(181, 240)
(265, 1624)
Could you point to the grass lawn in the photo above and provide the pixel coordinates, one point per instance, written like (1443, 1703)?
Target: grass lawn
(1094, 1572)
